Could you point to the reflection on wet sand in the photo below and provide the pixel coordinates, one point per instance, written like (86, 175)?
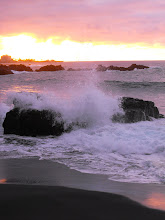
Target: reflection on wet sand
(3, 181)
(155, 200)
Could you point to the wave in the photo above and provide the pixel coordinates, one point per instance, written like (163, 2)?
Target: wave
(92, 106)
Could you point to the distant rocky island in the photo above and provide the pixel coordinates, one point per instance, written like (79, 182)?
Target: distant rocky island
(7, 69)
(130, 68)
(8, 59)
(7, 64)
(50, 68)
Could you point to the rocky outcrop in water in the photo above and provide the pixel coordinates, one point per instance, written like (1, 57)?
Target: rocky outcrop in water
(32, 122)
(20, 67)
(15, 67)
(50, 68)
(5, 71)
(136, 110)
(130, 68)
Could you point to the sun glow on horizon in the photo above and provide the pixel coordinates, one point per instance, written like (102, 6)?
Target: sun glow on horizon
(25, 46)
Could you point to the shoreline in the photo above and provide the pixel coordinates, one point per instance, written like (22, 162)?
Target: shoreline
(47, 173)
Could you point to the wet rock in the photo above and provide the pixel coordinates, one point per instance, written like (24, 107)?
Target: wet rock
(148, 107)
(50, 68)
(136, 110)
(32, 122)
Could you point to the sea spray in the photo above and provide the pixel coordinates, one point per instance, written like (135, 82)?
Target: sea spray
(91, 106)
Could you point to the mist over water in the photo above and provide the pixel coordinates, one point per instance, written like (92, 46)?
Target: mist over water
(125, 152)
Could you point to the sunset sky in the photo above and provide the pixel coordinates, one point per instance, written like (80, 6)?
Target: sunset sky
(72, 30)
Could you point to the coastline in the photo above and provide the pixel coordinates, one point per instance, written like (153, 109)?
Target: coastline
(42, 173)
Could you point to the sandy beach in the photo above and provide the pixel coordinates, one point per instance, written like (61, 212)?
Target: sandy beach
(42, 188)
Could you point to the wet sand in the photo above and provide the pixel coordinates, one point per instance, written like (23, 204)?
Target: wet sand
(45, 188)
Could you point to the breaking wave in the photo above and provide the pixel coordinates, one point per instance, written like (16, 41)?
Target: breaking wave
(93, 106)
(125, 152)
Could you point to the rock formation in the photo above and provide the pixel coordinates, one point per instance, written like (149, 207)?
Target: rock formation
(20, 67)
(32, 122)
(50, 68)
(136, 110)
(130, 68)
(16, 67)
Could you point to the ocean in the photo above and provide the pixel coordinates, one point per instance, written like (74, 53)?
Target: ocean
(132, 152)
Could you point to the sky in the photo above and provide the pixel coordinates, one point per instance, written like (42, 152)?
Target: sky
(83, 29)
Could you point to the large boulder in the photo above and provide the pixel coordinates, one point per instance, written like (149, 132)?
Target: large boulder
(136, 110)
(50, 68)
(32, 122)
(130, 68)
(4, 70)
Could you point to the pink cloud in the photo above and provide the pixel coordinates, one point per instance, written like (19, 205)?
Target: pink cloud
(126, 21)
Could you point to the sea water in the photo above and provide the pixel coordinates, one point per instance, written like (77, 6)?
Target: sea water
(132, 152)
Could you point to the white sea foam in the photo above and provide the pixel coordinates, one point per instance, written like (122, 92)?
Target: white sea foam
(125, 152)
(4, 108)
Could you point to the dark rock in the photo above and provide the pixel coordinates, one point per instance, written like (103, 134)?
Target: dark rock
(136, 110)
(161, 116)
(116, 68)
(20, 67)
(4, 70)
(130, 68)
(33, 122)
(50, 68)
(134, 115)
(135, 66)
(148, 107)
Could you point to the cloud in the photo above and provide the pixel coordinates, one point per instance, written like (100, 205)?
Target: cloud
(114, 21)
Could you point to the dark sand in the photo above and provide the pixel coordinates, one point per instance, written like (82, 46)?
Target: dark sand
(39, 190)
